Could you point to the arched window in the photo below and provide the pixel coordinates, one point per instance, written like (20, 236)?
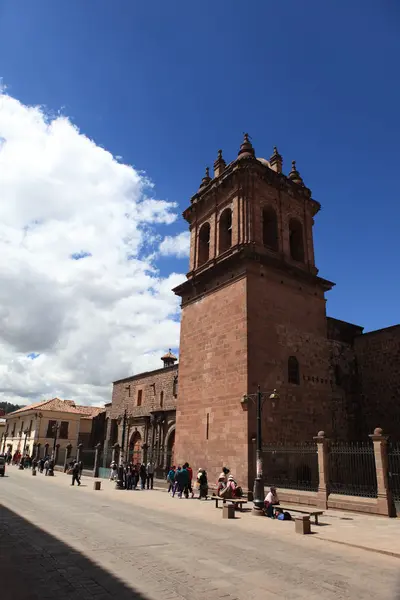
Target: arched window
(204, 244)
(296, 240)
(225, 230)
(270, 229)
(293, 370)
(161, 399)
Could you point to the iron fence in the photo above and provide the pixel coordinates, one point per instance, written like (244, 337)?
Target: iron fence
(292, 467)
(352, 469)
(394, 473)
(87, 456)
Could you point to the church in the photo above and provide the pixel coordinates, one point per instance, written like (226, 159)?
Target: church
(254, 314)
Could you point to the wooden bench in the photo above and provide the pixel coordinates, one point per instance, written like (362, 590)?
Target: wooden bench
(302, 509)
(236, 501)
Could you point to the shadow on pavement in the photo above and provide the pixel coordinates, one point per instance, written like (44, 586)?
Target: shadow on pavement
(36, 565)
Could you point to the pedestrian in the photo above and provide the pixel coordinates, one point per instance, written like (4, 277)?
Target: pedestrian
(41, 465)
(80, 468)
(135, 475)
(46, 467)
(114, 471)
(203, 484)
(143, 476)
(176, 477)
(129, 477)
(190, 478)
(271, 500)
(182, 480)
(171, 479)
(150, 475)
(75, 474)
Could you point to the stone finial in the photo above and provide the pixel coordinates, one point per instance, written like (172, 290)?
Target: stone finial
(219, 165)
(276, 161)
(246, 149)
(294, 175)
(206, 179)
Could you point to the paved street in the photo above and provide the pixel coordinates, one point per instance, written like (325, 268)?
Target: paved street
(58, 541)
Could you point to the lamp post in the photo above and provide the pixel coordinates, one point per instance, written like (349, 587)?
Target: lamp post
(258, 489)
(55, 430)
(123, 420)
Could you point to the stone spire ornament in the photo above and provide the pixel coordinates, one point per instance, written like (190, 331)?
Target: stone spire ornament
(294, 175)
(206, 179)
(246, 149)
(219, 165)
(276, 161)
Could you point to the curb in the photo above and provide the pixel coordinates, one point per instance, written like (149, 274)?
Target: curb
(367, 548)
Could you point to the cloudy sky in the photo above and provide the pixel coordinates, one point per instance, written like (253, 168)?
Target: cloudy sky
(82, 301)
(135, 99)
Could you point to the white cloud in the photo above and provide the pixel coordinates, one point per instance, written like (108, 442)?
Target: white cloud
(79, 290)
(177, 245)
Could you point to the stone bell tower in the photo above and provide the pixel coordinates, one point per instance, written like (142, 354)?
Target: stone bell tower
(253, 312)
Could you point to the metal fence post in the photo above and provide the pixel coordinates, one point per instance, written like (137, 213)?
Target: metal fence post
(68, 449)
(385, 500)
(79, 452)
(323, 469)
(115, 454)
(97, 460)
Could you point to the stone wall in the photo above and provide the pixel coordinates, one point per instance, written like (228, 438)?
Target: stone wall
(211, 428)
(378, 358)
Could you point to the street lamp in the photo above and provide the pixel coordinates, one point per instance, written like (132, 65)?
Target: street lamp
(55, 430)
(21, 464)
(258, 490)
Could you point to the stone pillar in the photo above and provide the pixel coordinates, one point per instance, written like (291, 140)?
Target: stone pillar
(46, 449)
(79, 452)
(108, 435)
(115, 453)
(323, 469)
(37, 456)
(68, 449)
(97, 460)
(384, 500)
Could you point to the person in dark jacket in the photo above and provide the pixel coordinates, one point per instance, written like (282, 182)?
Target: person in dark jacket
(142, 475)
(182, 480)
(75, 474)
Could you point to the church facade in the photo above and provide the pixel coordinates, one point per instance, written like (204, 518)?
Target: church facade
(254, 313)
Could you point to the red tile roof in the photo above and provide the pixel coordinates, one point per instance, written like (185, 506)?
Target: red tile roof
(55, 404)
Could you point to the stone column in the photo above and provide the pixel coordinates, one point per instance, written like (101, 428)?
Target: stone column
(108, 435)
(384, 501)
(97, 460)
(323, 469)
(37, 456)
(46, 449)
(115, 452)
(68, 449)
(79, 452)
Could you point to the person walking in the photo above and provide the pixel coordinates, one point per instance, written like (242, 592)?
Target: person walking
(150, 475)
(171, 479)
(75, 474)
(143, 476)
(182, 479)
(203, 484)
(190, 478)
(46, 467)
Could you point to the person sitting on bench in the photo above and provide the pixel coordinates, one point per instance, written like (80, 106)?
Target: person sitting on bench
(271, 500)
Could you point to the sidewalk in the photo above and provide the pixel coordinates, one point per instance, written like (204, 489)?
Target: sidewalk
(372, 533)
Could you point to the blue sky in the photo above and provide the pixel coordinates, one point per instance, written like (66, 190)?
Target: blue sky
(165, 84)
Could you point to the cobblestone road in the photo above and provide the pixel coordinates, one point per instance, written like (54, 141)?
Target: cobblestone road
(62, 542)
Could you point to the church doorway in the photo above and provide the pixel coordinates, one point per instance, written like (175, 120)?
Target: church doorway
(135, 448)
(171, 449)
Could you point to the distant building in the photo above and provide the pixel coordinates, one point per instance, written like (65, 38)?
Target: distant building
(141, 416)
(35, 429)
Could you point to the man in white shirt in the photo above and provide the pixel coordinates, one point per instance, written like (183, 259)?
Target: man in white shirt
(150, 475)
(270, 500)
